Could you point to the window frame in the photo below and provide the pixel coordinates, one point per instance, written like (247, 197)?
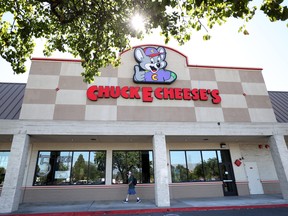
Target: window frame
(139, 179)
(8, 151)
(217, 153)
(71, 169)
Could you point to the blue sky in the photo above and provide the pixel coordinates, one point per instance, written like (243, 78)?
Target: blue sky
(265, 47)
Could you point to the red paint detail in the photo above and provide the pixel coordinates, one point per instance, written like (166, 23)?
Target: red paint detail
(237, 162)
(186, 58)
(153, 210)
(178, 93)
(203, 94)
(244, 94)
(186, 94)
(216, 97)
(91, 93)
(147, 94)
(260, 146)
(195, 94)
(158, 92)
(157, 45)
(56, 59)
(267, 146)
(168, 93)
(57, 89)
(134, 92)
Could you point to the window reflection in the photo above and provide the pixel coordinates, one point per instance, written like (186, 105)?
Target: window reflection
(140, 163)
(97, 167)
(70, 167)
(194, 166)
(178, 166)
(80, 168)
(210, 164)
(62, 167)
(4, 156)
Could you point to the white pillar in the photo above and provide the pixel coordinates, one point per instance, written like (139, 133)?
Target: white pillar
(11, 191)
(108, 171)
(279, 154)
(162, 196)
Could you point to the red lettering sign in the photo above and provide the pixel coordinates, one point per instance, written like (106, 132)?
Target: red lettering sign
(132, 92)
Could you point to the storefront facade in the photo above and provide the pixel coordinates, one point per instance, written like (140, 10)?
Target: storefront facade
(184, 130)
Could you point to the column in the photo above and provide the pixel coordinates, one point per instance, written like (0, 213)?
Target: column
(279, 153)
(162, 196)
(11, 191)
(108, 171)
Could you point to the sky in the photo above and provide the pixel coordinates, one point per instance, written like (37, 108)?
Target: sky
(265, 47)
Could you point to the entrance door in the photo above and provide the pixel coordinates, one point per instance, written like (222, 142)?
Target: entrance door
(229, 186)
(254, 183)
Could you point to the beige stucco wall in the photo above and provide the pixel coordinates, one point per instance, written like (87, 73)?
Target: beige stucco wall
(55, 91)
(262, 156)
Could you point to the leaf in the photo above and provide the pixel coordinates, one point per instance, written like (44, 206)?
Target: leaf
(206, 37)
(245, 32)
(94, 30)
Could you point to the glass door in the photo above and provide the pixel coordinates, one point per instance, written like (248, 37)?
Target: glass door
(227, 174)
(229, 186)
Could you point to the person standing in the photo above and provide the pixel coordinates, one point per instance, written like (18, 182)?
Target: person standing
(131, 188)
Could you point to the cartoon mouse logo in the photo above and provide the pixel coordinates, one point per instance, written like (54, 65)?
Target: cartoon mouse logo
(151, 66)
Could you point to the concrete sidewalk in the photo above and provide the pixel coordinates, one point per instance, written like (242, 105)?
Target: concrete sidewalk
(148, 206)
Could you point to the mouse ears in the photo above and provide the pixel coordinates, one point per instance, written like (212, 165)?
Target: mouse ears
(141, 53)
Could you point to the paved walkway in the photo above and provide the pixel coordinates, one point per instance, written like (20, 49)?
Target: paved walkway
(148, 206)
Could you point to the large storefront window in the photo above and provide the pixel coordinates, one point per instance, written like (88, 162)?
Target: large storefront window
(4, 155)
(70, 168)
(187, 166)
(140, 163)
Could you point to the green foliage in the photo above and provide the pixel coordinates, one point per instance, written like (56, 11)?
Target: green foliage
(126, 161)
(80, 169)
(2, 175)
(96, 31)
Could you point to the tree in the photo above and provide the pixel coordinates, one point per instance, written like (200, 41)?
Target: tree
(80, 169)
(96, 31)
(2, 175)
(124, 161)
(179, 173)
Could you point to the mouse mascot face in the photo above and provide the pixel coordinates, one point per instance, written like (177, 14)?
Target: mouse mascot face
(151, 67)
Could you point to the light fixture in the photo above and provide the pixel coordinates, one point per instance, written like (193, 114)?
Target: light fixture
(222, 145)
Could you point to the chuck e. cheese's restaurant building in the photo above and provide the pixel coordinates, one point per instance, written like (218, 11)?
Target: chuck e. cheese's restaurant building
(185, 131)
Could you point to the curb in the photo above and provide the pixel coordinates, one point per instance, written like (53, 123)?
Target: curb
(147, 211)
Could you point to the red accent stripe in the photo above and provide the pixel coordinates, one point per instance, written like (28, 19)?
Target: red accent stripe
(145, 45)
(56, 59)
(196, 66)
(154, 210)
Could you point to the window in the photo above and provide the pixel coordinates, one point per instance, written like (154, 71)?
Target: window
(194, 166)
(178, 166)
(4, 156)
(140, 163)
(194, 161)
(70, 167)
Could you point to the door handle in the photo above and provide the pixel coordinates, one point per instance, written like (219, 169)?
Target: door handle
(227, 180)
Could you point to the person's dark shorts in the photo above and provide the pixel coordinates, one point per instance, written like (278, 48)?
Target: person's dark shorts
(131, 191)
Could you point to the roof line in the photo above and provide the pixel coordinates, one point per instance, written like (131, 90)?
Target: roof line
(145, 45)
(55, 59)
